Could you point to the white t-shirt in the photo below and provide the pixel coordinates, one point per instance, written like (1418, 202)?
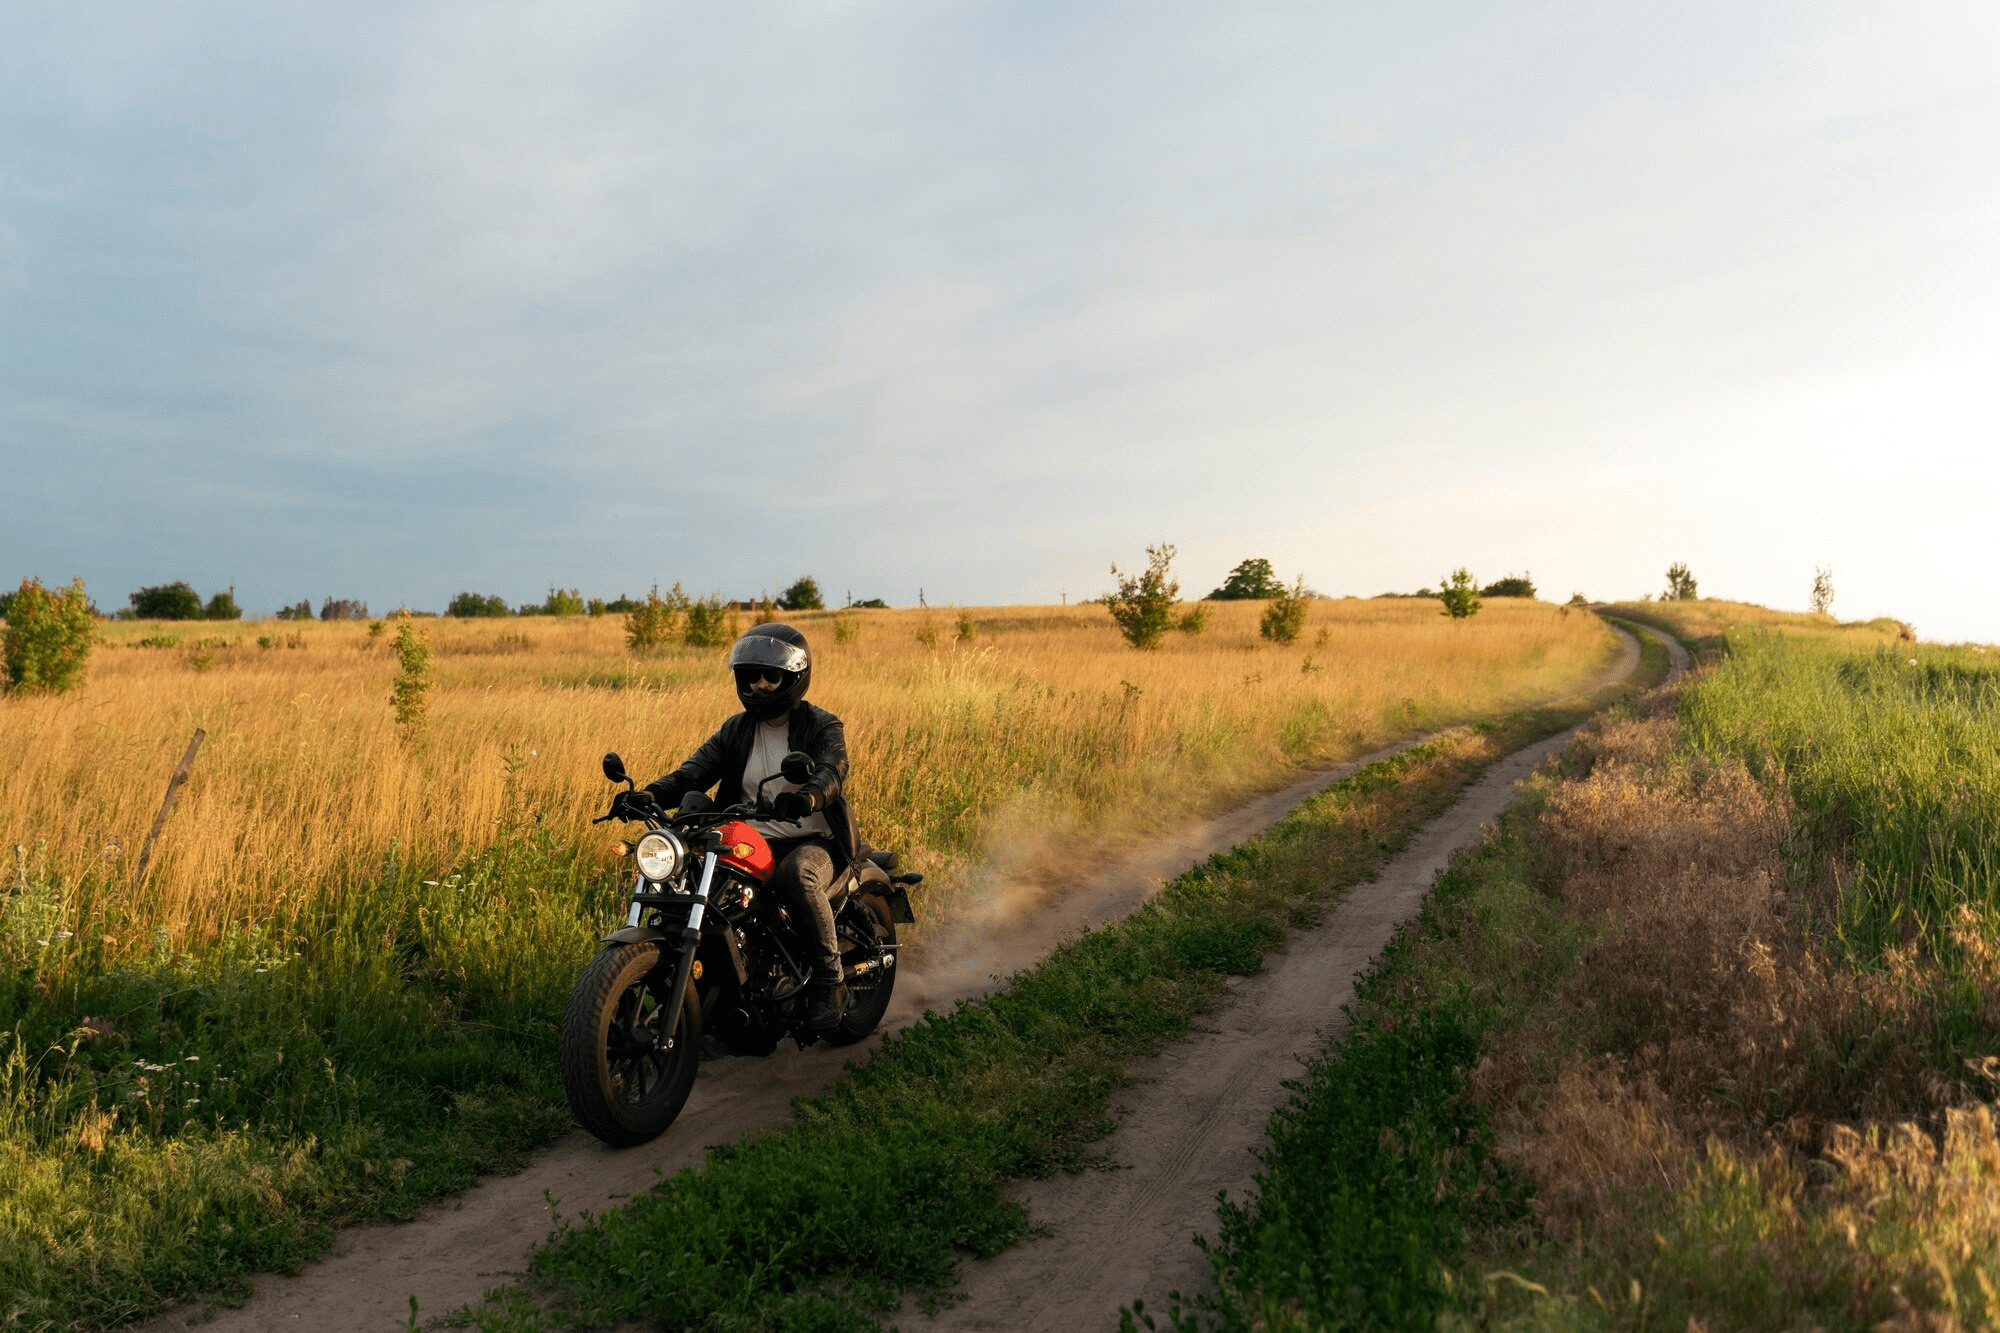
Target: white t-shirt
(767, 752)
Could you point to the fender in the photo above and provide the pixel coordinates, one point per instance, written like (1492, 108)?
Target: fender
(636, 935)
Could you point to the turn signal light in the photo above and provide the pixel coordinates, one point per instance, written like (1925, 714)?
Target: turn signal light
(695, 972)
(621, 849)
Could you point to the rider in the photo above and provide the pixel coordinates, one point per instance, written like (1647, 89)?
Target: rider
(811, 830)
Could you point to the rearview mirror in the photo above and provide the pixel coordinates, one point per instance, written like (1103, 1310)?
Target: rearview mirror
(614, 767)
(797, 766)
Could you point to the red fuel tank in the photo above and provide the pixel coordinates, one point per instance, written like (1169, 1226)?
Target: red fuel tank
(745, 848)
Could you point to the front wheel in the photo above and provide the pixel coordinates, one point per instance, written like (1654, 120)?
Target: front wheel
(864, 926)
(626, 1070)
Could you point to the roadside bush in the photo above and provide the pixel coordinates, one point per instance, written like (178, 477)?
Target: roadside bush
(1252, 580)
(650, 624)
(1285, 617)
(48, 637)
(1460, 594)
(1514, 585)
(803, 595)
(468, 605)
(343, 608)
(1143, 605)
(167, 601)
(707, 624)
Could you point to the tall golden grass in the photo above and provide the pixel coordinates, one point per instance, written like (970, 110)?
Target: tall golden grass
(304, 784)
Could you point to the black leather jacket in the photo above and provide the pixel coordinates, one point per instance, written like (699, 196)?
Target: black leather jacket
(720, 762)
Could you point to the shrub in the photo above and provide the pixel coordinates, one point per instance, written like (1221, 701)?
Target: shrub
(299, 610)
(927, 631)
(563, 602)
(1285, 617)
(1680, 583)
(223, 606)
(48, 638)
(1460, 594)
(846, 629)
(343, 608)
(1252, 580)
(1822, 593)
(1143, 605)
(967, 629)
(468, 605)
(650, 624)
(1578, 599)
(707, 624)
(767, 611)
(410, 694)
(1195, 621)
(871, 604)
(167, 601)
(803, 595)
(1514, 585)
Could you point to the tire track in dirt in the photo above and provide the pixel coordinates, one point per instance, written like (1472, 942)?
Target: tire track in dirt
(459, 1248)
(1191, 1127)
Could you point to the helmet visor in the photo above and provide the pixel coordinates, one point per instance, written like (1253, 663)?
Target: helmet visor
(761, 650)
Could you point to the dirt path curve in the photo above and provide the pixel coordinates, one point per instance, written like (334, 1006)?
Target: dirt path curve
(460, 1248)
(1190, 1128)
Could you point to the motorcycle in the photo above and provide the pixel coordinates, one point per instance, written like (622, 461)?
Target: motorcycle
(707, 956)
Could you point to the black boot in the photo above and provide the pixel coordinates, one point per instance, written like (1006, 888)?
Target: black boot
(826, 1005)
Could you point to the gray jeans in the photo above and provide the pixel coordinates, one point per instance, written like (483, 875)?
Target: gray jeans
(803, 879)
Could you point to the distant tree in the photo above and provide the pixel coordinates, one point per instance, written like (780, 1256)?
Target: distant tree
(1460, 593)
(1285, 617)
(803, 595)
(1143, 605)
(7, 604)
(1514, 585)
(473, 605)
(563, 602)
(1578, 599)
(342, 608)
(48, 637)
(167, 601)
(1252, 580)
(223, 606)
(871, 604)
(1822, 593)
(1680, 583)
(301, 610)
(621, 604)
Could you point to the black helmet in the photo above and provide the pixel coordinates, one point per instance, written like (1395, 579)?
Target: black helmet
(766, 648)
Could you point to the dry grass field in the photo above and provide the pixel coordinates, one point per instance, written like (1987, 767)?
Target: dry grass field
(1043, 720)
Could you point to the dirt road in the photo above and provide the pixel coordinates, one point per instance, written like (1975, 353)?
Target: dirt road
(1191, 1127)
(460, 1248)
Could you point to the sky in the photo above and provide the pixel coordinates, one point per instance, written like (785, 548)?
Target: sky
(392, 301)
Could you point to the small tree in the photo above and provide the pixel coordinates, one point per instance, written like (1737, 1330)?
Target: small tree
(48, 638)
(651, 623)
(167, 601)
(1251, 580)
(707, 624)
(299, 610)
(410, 696)
(342, 608)
(1459, 592)
(1514, 585)
(223, 606)
(1680, 583)
(563, 602)
(1143, 605)
(1822, 593)
(803, 595)
(1285, 618)
(472, 605)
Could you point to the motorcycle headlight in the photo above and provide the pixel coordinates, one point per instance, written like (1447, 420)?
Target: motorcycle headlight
(659, 856)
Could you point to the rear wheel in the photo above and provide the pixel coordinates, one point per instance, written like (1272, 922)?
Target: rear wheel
(626, 1069)
(864, 926)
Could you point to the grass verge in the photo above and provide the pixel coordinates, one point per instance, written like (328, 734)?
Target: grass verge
(884, 1182)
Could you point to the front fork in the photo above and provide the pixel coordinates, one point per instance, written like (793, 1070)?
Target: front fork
(690, 938)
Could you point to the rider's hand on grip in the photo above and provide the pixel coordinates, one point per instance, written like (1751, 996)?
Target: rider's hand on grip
(791, 806)
(631, 805)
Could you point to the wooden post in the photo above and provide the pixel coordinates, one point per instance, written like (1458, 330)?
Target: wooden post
(174, 785)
